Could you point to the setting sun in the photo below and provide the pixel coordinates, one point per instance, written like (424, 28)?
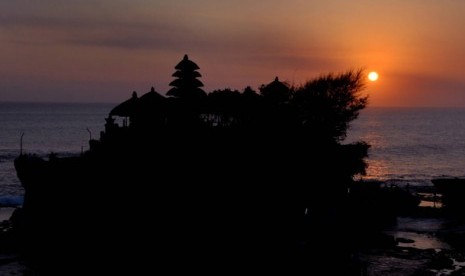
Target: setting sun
(373, 76)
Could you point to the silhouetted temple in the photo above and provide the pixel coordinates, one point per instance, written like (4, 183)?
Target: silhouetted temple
(186, 84)
(189, 107)
(206, 182)
(276, 91)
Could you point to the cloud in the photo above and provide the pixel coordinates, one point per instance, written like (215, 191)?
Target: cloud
(135, 25)
(85, 25)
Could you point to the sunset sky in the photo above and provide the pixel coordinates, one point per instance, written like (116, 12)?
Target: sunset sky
(100, 51)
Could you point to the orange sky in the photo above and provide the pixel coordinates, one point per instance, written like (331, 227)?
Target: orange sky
(100, 51)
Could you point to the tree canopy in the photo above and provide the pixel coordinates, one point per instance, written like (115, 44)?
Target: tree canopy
(328, 104)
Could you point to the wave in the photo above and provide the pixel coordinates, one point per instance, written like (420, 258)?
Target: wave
(10, 155)
(11, 201)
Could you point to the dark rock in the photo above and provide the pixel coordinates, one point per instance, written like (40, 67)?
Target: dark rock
(441, 261)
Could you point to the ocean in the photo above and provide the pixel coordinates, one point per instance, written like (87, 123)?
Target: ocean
(62, 128)
(408, 145)
(412, 145)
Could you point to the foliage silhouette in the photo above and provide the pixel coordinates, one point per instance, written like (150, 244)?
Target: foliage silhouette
(328, 104)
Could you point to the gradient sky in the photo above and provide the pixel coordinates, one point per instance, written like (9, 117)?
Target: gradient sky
(100, 51)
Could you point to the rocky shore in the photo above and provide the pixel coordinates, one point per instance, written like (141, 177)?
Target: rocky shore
(427, 242)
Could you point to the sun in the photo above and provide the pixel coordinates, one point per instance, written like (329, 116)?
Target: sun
(373, 76)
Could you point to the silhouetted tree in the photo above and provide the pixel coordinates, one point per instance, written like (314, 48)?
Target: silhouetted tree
(326, 105)
(251, 106)
(225, 105)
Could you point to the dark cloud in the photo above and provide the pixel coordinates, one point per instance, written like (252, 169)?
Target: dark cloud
(128, 27)
(85, 25)
(43, 90)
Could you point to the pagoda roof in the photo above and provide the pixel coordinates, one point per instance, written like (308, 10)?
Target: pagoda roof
(277, 85)
(186, 65)
(126, 108)
(151, 96)
(181, 82)
(178, 93)
(191, 74)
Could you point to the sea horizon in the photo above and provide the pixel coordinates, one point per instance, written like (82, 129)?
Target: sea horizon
(409, 145)
(115, 102)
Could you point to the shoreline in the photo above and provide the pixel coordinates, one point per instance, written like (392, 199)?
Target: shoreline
(375, 258)
(414, 243)
(425, 243)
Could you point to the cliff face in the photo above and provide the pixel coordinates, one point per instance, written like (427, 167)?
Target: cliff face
(220, 196)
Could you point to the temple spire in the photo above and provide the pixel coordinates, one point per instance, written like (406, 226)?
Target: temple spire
(186, 84)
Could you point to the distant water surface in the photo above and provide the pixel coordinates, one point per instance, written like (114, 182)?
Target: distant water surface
(47, 127)
(412, 144)
(409, 145)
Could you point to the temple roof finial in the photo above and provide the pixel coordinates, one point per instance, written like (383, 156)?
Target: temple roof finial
(186, 57)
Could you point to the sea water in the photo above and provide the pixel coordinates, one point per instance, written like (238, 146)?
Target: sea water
(408, 145)
(62, 128)
(412, 145)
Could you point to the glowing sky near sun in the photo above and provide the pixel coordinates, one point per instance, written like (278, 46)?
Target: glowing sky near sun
(103, 50)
